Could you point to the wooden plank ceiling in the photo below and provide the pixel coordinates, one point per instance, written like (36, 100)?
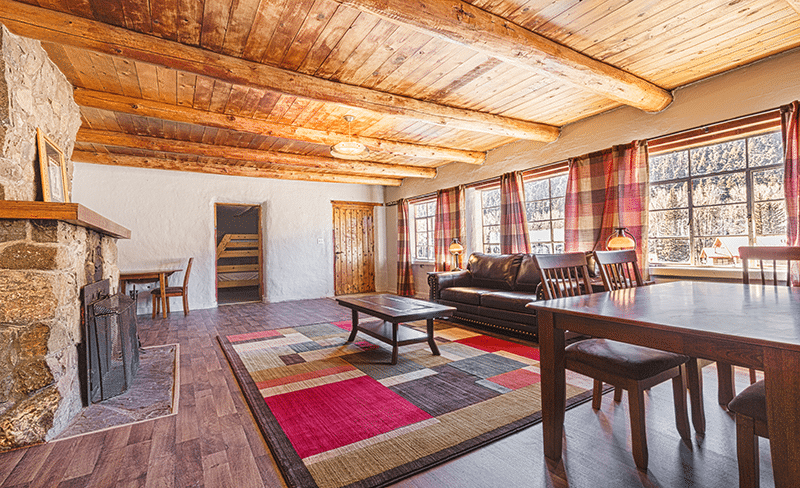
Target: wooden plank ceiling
(259, 88)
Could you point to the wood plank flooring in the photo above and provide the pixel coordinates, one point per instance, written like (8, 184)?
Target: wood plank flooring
(214, 441)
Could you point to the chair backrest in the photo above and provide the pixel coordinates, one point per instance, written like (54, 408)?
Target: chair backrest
(563, 275)
(775, 254)
(619, 269)
(186, 275)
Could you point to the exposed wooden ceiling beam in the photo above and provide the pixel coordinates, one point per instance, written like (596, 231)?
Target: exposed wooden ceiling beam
(795, 4)
(70, 30)
(179, 113)
(223, 167)
(467, 25)
(364, 168)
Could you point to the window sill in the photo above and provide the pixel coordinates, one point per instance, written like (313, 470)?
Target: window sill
(696, 272)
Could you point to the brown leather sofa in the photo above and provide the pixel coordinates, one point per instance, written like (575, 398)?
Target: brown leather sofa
(492, 292)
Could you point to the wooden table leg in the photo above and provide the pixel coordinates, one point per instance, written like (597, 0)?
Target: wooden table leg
(431, 340)
(162, 279)
(782, 382)
(726, 382)
(395, 326)
(695, 382)
(554, 384)
(353, 326)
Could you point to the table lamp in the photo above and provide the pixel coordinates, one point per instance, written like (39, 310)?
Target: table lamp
(620, 239)
(456, 249)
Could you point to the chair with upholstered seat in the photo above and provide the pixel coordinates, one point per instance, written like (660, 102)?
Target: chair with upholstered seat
(626, 366)
(174, 291)
(620, 270)
(750, 407)
(765, 255)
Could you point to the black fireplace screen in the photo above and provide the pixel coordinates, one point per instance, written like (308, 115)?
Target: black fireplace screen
(111, 344)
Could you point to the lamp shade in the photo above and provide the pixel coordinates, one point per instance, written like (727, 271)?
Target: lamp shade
(620, 240)
(456, 248)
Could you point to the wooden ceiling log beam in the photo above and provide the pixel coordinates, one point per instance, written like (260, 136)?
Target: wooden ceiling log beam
(299, 161)
(60, 28)
(795, 4)
(178, 113)
(223, 167)
(459, 22)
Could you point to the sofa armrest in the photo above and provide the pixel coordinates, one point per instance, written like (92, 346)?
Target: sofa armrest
(438, 281)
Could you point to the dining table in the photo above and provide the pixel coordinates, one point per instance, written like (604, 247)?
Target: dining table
(755, 326)
(159, 275)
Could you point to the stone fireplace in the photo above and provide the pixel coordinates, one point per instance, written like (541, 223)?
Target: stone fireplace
(44, 261)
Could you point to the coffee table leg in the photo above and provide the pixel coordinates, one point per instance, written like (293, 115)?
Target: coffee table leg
(354, 328)
(395, 326)
(431, 341)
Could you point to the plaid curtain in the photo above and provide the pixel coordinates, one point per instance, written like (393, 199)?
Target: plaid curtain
(608, 189)
(790, 127)
(514, 236)
(405, 278)
(449, 225)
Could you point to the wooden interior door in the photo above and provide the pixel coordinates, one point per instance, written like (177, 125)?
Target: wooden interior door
(353, 247)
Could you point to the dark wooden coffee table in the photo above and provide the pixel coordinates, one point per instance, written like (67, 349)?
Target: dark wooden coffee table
(393, 309)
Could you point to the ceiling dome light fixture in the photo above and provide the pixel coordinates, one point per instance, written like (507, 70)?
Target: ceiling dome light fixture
(349, 149)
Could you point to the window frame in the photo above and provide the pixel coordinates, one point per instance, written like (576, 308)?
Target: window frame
(548, 176)
(430, 232)
(743, 129)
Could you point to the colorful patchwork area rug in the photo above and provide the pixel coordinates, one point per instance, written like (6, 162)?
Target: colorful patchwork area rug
(337, 414)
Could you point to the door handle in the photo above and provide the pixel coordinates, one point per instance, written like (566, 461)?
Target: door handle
(339, 252)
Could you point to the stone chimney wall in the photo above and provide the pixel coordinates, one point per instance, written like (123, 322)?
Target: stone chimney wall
(43, 263)
(33, 93)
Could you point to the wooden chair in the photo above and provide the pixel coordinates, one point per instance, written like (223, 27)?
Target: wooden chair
(174, 291)
(620, 270)
(774, 254)
(626, 366)
(750, 407)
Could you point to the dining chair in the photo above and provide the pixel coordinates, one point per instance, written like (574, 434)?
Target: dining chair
(750, 407)
(776, 255)
(620, 270)
(174, 291)
(626, 366)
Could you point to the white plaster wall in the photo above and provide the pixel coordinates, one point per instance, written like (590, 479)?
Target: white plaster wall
(171, 217)
(763, 85)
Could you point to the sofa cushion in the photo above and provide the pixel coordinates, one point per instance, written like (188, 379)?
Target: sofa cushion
(491, 271)
(465, 294)
(528, 277)
(508, 300)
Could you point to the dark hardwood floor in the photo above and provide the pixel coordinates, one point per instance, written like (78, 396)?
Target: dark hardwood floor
(213, 441)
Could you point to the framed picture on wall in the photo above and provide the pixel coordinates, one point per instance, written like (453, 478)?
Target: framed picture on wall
(53, 169)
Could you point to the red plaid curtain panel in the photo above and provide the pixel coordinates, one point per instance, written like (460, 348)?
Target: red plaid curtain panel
(514, 236)
(608, 189)
(449, 224)
(790, 127)
(405, 278)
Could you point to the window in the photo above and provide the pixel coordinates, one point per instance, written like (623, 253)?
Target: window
(490, 205)
(424, 219)
(707, 201)
(544, 210)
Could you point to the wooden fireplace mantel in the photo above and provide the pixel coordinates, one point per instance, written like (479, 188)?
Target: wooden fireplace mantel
(74, 213)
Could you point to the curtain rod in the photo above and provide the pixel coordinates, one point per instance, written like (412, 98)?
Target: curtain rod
(486, 180)
(478, 183)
